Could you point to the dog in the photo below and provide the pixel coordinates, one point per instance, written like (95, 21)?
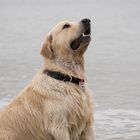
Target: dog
(56, 104)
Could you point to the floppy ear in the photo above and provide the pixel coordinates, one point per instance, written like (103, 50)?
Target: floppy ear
(46, 49)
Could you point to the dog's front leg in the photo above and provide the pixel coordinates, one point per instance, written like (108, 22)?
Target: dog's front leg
(58, 128)
(88, 134)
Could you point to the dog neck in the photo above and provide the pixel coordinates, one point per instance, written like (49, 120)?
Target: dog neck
(70, 67)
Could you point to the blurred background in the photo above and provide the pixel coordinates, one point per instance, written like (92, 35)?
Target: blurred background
(112, 59)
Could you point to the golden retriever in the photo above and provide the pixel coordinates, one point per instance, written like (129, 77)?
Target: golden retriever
(56, 104)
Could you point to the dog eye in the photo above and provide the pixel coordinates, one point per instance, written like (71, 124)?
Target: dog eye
(66, 26)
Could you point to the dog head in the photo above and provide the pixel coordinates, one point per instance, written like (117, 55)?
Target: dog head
(67, 39)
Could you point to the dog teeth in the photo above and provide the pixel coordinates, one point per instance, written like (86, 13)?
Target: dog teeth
(85, 35)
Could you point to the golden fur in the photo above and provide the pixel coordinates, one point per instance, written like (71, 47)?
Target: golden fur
(49, 109)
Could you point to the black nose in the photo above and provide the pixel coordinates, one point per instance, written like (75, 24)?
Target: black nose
(85, 21)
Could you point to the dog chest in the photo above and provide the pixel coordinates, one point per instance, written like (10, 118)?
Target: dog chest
(79, 112)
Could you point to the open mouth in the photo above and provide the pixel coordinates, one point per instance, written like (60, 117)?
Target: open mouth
(84, 38)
